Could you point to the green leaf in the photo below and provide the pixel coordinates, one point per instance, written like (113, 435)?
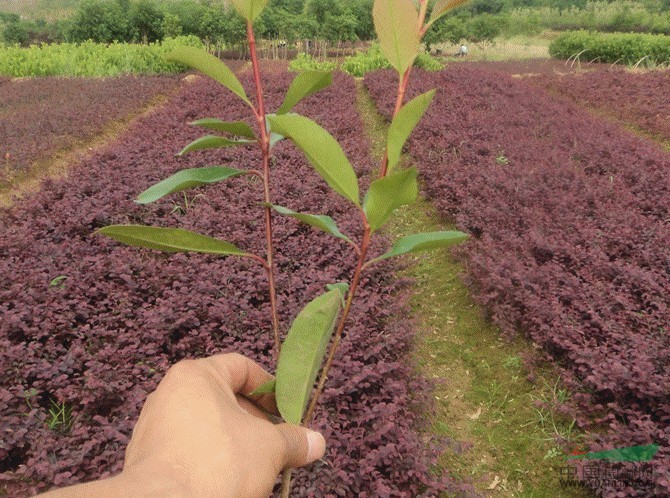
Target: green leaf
(397, 27)
(404, 123)
(206, 63)
(212, 142)
(266, 388)
(58, 281)
(421, 242)
(237, 128)
(341, 287)
(389, 193)
(322, 150)
(302, 353)
(186, 179)
(249, 9)
(441, 7)
(305, 84)
(320, 221)
(169, 240)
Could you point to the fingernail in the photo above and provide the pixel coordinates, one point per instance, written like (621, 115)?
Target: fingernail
(316, 446)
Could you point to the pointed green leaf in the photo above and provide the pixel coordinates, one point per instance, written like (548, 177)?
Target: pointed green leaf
(404, 123)
(397, 27)
(169, 240)
(206, 63)
(320, 221)
(322, 150)
(441, 7)
(212, 142)
(237, 128)
(266, 388)
(186, 179)
(342, 288)
(305, 84)
(389, 193)
(249, 9)
(421, 242)
(302, 353)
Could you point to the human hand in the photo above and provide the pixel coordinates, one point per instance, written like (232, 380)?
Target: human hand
(198, 435)
(199, 425)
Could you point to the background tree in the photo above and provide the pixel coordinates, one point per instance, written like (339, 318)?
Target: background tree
(484, 28)
(146, 21)
(171, 25)
(99, 21)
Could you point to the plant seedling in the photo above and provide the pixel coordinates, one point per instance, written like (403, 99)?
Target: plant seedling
(316, 332)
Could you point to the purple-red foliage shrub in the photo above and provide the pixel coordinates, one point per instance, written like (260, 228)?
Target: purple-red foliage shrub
(638, 99)
(40, 115)
(571, 239)
(102, 339)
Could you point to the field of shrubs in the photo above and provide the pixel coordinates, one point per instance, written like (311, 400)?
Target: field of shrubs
(101, 336)
(43, 115)
(633, 99)
(569, 216)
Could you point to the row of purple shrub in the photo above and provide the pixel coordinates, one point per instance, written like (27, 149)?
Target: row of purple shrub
(40, 115)
(101, 339)
(638, 99)
(569, 217)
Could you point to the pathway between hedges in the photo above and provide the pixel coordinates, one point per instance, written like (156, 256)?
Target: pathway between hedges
(501, 428)
(59, 162)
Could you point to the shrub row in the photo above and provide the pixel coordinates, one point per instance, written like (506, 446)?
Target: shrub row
(92, 59)
(570, 223)
(624, 48)
(43, 115)
(101, 339)
(638, 99)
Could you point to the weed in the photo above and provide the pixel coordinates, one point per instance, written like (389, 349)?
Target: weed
(512, 362)
(184, 207)
(60, 417)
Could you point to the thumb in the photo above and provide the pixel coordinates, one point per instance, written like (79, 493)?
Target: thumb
(302, 446)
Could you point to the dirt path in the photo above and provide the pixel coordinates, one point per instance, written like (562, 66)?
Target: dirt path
(502, 428)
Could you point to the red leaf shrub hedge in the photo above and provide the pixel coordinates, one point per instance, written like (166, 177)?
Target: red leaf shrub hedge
(638, 99)
(40, 115)
(103, 338)
(571, 240)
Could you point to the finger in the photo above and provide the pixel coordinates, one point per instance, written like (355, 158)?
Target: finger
(303, 446)
(243, 375)
(252, 408)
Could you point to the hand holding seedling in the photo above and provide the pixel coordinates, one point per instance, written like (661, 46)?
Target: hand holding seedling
(199, 435)
(315, 334)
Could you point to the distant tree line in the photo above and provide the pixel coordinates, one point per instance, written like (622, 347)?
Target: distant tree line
(145, 21)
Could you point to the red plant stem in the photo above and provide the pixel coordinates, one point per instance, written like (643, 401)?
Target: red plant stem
(402, 90)
(356, 279)
(265, 149)
(404, 82)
